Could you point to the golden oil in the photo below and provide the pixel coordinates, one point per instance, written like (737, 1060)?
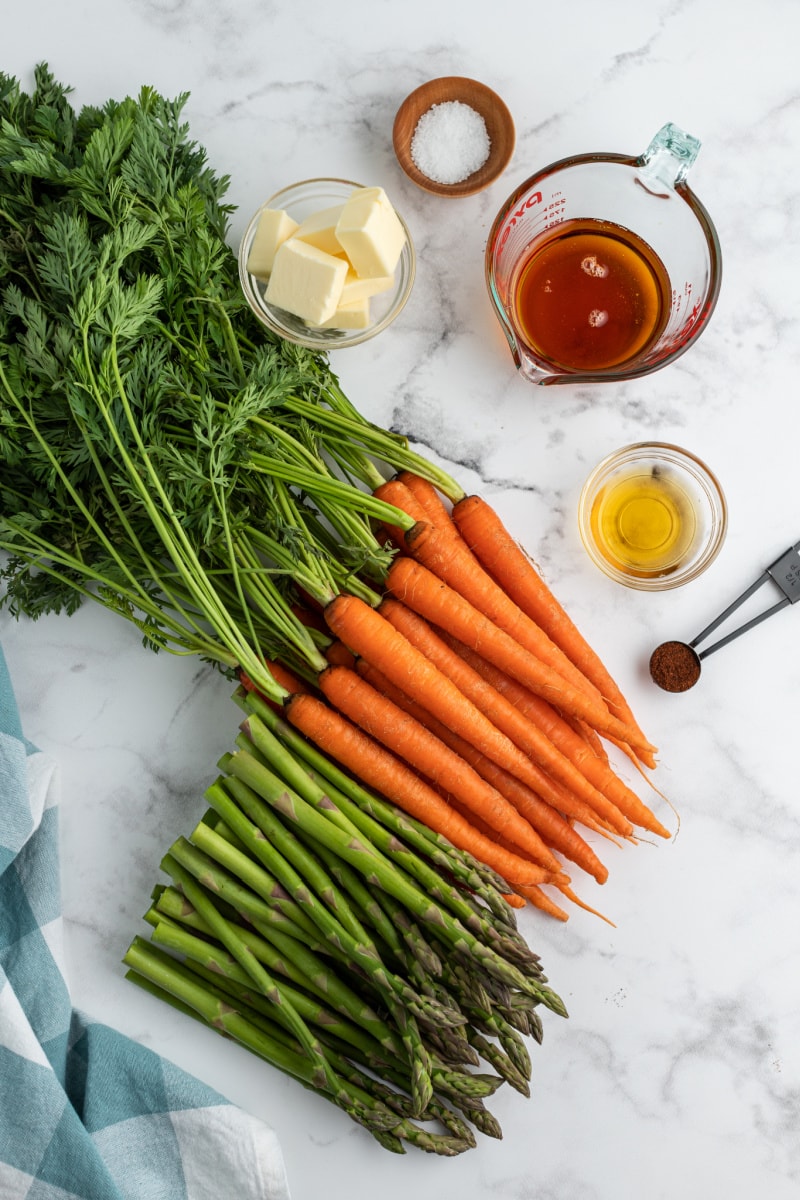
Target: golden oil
(643, 522)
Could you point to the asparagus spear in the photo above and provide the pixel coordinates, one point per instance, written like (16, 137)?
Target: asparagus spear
(361, 954)
(292, 877)
(217, 962)
(266, 983)
(216, 1010)
(246, 884)
(305, 864)
(368, 860)
(496, 1056)
(273, 752)
(326, 982)
(431, 845)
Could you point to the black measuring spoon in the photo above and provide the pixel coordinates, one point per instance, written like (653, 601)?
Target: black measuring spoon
(675, 666)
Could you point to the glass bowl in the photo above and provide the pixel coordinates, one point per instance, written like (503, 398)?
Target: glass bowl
(652, 516)
(301, 200)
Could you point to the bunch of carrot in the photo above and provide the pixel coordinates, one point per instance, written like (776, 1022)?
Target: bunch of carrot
(469, 698)
(197, 476)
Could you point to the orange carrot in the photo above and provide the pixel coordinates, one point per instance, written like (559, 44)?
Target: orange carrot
(554, 831)
(539, 898)
(535, 894)
(553, 724)
(399, 732)
(368, 634)
(484, 766)
(420, 590)
(595, 769)
(419, 498)
(429, 499)
(567, 891)
(504, 558)
(393, 491)
(371, 636)
(379, 769)
(542, 901)
(547, 805)
(338, 655)
(281, 675)
(591, 738)
(541, 754)
(454, 563)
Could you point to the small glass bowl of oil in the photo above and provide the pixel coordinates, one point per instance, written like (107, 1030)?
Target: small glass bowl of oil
(652, 516)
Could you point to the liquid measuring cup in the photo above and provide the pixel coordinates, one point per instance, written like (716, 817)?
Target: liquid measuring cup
(604, 266)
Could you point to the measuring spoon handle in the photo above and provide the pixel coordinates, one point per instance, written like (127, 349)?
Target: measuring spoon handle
(742, 628)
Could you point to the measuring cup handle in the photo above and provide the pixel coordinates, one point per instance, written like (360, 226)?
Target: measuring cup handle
(667, 159)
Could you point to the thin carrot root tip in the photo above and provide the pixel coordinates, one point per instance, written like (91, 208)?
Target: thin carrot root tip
(539, 899)
(570, 895)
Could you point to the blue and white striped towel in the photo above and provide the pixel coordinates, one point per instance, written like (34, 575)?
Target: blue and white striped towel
(86, 1113)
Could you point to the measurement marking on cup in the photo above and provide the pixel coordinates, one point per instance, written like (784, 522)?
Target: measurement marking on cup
(533, 199)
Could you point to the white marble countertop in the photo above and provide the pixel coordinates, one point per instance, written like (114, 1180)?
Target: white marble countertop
(678, 1072)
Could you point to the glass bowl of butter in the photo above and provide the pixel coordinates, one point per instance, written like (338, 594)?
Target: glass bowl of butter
(327, 263)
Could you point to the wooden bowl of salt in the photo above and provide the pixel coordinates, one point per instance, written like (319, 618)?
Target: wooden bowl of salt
(453, 136)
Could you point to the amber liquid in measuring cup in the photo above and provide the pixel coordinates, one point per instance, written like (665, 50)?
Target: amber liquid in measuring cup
(644, 523)
(590, 295)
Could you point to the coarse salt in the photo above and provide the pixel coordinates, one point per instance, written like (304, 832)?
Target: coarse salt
(450, 142)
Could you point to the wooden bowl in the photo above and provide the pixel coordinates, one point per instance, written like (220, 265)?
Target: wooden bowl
(499, 126)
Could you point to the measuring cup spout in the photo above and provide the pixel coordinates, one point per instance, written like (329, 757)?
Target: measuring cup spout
(530, 369)
(667, 160)
(523, 360)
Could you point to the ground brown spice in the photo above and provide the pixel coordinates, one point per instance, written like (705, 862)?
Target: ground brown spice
(674, 666)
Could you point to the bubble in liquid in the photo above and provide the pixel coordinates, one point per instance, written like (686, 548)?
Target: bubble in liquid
(597, 318)
(591, 266)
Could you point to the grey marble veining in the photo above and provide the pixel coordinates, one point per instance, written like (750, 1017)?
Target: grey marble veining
(678, 1072)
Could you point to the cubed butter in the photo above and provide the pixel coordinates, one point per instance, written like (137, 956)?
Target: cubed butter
(273, 228)
(349, 316)
(306, 281)
(370, 232)
(357, 288)
(320, 229)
